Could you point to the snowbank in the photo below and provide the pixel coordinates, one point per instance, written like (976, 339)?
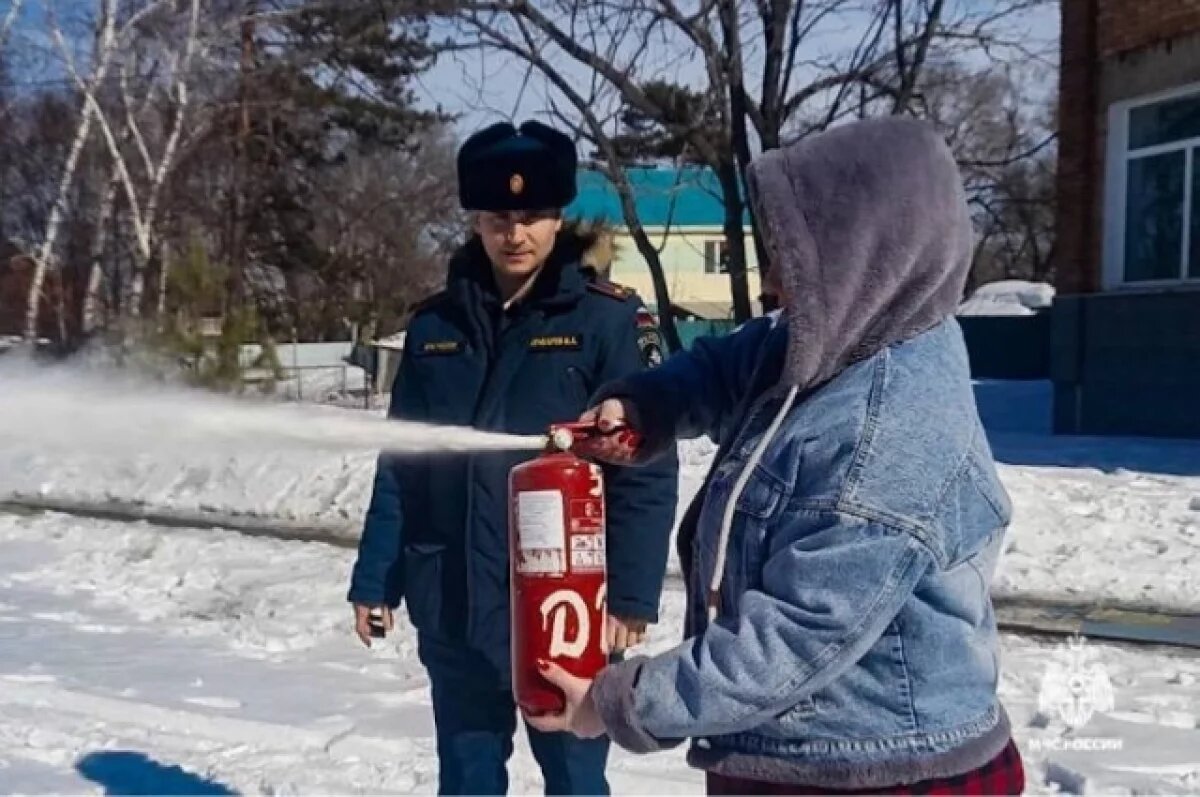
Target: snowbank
(1008, 298)
(1035, 295)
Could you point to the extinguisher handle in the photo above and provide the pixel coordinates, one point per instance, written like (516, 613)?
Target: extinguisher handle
(582, 435)
(590, 428)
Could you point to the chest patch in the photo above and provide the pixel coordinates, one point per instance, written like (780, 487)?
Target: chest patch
(567, 342)
(440, 347)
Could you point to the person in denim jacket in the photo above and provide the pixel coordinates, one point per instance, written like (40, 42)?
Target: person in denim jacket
(840, 634)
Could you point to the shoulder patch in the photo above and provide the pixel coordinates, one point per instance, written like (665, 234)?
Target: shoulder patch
(649, 339)
(428, 301)
(610, 289)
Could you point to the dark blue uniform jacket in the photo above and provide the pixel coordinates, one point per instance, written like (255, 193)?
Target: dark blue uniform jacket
(436, 531)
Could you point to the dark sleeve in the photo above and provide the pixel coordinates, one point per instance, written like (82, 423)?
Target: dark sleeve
(694, 391)
(378, 575)
(640, 502)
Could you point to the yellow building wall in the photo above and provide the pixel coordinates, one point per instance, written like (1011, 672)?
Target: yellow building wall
(682, 254)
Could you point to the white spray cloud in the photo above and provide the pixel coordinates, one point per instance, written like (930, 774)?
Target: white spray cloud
(108, 412)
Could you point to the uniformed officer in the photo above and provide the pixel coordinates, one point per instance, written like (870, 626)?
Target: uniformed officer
(519, 339)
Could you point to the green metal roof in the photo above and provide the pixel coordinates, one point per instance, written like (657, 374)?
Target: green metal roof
(685, 197)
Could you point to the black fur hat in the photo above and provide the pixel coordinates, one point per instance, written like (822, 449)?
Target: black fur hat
(505, 168)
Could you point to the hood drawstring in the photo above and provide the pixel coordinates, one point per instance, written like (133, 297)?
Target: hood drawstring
(714, 589)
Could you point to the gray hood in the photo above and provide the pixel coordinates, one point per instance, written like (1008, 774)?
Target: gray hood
(869, 226)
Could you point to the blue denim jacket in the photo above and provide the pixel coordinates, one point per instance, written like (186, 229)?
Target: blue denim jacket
(855, 644)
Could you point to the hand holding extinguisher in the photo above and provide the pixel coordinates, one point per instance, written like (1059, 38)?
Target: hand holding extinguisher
(579, 715)
(610, 434)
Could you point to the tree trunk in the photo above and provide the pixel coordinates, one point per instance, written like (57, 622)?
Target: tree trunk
(57, 212)
(666, 319)
(741, 150)
(662, 298)
(104, 42)
(60, 309)
(238, 237)
(164, 266)
(731, 185)
(735, 239)
(91, 299)
(95, 269)
(137, 286)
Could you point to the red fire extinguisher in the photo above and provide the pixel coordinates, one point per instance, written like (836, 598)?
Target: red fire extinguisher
(558, 576)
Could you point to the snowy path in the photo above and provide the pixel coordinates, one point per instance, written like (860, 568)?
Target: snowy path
(210, 662)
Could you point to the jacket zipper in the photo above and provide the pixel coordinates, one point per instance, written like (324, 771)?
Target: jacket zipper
(490, 346)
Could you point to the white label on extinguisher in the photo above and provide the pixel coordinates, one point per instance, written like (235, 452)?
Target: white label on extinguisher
(541, 531)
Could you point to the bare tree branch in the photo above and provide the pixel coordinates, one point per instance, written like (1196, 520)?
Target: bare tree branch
(1011, 159)
(10, 19)
(531, 53)
(628, 87)
(909, 74)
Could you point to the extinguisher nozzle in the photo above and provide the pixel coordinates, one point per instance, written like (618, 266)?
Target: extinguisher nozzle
(561, 439)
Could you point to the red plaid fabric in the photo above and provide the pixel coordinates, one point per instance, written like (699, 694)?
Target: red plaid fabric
(1004, 774)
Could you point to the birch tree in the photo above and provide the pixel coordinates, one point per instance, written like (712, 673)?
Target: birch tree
(105, 46)
(142, 184)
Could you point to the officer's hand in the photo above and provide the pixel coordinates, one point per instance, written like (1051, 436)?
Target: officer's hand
(362, 621)
(624, 633)
(579, 716)
(611, 415)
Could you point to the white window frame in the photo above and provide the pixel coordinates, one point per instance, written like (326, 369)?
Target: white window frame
(718, 244)
(1116, 174)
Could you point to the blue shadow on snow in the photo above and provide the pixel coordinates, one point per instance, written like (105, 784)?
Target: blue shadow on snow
(123, 772)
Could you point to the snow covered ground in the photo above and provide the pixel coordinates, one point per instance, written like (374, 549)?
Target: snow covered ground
(1106, 520)
(135, 659)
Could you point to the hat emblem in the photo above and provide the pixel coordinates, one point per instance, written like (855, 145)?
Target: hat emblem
(516, 184)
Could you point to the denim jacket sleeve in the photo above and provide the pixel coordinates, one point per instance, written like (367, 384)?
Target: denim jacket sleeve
(378, 574)
(640, 505)
(695, 390)
(829, 591)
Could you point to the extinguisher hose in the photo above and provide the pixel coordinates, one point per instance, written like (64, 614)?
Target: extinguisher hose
(714, 590)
